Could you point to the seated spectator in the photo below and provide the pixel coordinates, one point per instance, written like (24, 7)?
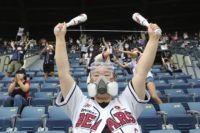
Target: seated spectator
(17, 59)
(48, 65)
(169, 66)
(82, 59)
(18, 91)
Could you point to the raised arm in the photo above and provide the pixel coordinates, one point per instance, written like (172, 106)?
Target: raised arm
(107, 52)
(62, 62)
(133, 54)
(146, 61)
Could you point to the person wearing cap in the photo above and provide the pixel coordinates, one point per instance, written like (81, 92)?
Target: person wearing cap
(104, 110)
(18, 90)
(17, 59)
(48, 65)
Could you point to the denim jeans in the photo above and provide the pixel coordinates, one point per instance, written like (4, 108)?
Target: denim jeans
(16, 101)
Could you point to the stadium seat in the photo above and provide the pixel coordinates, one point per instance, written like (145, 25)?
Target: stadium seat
(194, 109)
(31, 119)
(57, 119)
(178, 84)
(122, 85)
(194, 82)
(14, 132)
(182, 76)
(176, 115)
(34, 87)
(6, 80)
(3, 96)
(121, 78)
(177, 95)
(43, 99)
(161, 84)
(194, 131)
(50, 132)
(83, 86)
(39, 80)
(165, 131)
(7, 117)
(149, 120)
(1, 86)
(52, 80)
(83, 79)
(49, 87)
(195, 92)
(1, 75)
(164, 76)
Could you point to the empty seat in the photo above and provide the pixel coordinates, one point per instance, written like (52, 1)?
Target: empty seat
(50, 132)
(182, 76)
(164, 76)
(14, 132)
(3, 96)
(7, 117)
(177, 95)
(176, 115)
(122, 85)
(83, 86)
(49, 87)
(178, 83)
(165, 131)
(161, 84)
(194, 131)
(31, 119)
(39, 80)
(149, 120)
(195, 92)
(194, 82)
(6, 80)
(52, 80)
(34, 87)
(57, 119)
(42, 99)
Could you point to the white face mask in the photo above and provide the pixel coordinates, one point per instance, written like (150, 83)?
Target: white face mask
(102, 86)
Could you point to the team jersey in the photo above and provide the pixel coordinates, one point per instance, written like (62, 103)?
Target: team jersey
(87, 116)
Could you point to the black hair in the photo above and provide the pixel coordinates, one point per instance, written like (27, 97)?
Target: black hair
(22, 71)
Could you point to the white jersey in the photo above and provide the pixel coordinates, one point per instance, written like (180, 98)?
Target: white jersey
(87, 116)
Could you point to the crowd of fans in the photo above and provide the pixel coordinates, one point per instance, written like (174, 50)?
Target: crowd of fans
(125, 51)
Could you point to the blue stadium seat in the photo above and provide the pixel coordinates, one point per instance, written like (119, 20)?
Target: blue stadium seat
(177, 95)
(161, 84)
(83, 86)
(31, 119)
(30, 74)
(39, 74)
(39, 80)
(164, 76)
(121, 78)
(194, 82)
(78, 74)
(178, 84)
(195, 92)
(83, 79)
(122, 85)
(194, 131)
(50, 132)
(176, 115)
(155, 70)
(34, 87)
(34, 70)
(49, 87)
(1, 75)
(42, 99)
(14, 132)
(6, 80)
(57, 119)
(3, 96)
(165, 131)
(7, 117)
(182, 76)
(149, 120)
(52, 80)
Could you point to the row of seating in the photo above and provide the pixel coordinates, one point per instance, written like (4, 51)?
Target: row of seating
(33, 119)
(178, 116)
(170, 116)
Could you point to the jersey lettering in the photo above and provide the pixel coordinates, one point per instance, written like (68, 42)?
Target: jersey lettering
(87, 121)
(122, 117)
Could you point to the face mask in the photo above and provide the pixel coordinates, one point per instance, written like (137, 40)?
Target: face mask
(102, 86)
